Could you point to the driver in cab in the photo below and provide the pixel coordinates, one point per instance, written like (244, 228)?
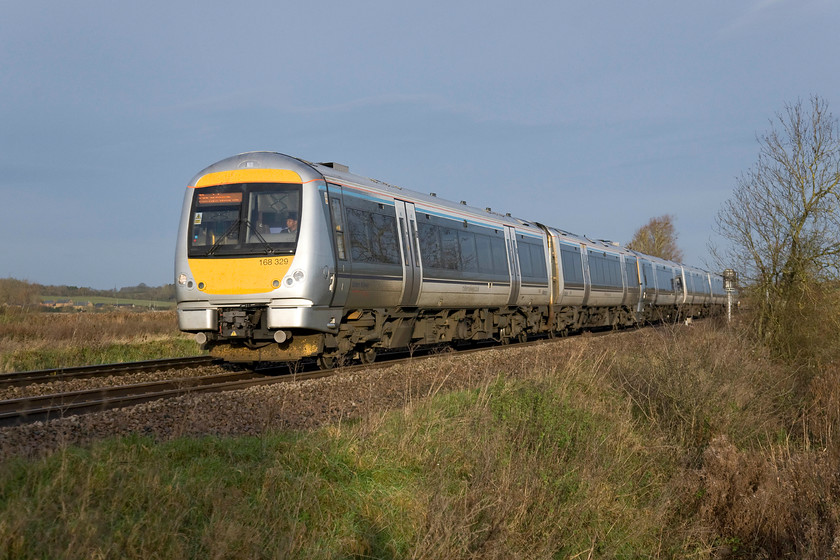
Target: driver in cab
(291, 223)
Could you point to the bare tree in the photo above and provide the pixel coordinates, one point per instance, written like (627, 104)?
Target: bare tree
(18, 293)
(782, 223)
(658, 238)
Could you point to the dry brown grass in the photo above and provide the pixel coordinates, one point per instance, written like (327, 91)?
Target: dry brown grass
(762, 471)
(55, 328)
(698, 382)
(777, 502)
(45, 340)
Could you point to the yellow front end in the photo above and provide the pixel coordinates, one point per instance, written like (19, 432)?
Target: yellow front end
(239, 276)
(243, 274)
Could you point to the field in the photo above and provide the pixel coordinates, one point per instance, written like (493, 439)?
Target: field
(678, 442)
(48, 340)
(108, 301)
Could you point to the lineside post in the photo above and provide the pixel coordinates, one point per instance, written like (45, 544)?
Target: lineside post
(730, 282)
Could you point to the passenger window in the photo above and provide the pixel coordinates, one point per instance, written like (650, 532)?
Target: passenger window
(484, 252)
(469, 257)
(430, 245)
(572, 267)
(632, 273)
(385, 246)
(500, 258)
(614, 264)
(450, 251)
(596, 270)
(373, 237)
(359, 237)
(525, 266)
(538, 261)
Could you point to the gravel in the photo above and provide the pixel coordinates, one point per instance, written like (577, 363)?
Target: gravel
(68, 385)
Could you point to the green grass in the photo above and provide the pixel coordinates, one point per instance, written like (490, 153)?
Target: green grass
(276, 496)
(106, 353)
(514, 467)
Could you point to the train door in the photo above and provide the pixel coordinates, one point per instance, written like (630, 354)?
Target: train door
(587, 278)
(554, 274)
(643, 285)
(412, 265)
(340, 280)
(632, 292)
(513, 264)
(554, 263)
(648, 284)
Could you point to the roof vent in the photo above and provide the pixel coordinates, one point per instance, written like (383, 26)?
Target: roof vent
(432, 194)
(464, 202)
(337, 166)
(488, 209)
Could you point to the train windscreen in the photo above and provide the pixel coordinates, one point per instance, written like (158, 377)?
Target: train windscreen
(244, 219)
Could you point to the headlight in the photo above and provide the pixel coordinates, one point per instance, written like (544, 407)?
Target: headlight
(295, 278)
(182, 279)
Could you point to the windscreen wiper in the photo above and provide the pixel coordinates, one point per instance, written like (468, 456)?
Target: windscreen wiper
(233, 227)
(268, 248)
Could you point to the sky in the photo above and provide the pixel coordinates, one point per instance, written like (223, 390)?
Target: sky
(589, 116)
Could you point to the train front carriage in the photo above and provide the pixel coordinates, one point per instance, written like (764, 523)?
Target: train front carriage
(252, 267)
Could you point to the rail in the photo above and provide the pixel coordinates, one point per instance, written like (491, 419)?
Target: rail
(47, 407)
(21, 378)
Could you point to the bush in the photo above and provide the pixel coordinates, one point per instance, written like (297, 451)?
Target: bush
(806, 330)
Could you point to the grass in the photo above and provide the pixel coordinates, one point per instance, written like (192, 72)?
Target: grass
(276, 496)
(680, 443)
(31, 341)
(415, 484)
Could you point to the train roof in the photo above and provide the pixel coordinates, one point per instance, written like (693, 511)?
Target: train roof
(341, 174)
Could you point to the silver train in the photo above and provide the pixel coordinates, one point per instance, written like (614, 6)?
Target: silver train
(279, 259)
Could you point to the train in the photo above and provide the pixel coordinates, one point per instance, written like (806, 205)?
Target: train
(279, 259)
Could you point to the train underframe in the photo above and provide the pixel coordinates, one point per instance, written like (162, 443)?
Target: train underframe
(362, 333)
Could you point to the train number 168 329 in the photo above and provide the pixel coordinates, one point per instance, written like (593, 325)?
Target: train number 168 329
(275, 261)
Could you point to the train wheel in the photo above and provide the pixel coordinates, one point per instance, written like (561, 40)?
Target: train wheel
(327, 362)
(368, 355)
(522, 336)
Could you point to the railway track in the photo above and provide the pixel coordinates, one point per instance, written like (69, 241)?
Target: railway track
(46, 407)
(22, 378)
(58, 405)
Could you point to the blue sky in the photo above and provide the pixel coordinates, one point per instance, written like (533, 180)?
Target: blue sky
(589, 116)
